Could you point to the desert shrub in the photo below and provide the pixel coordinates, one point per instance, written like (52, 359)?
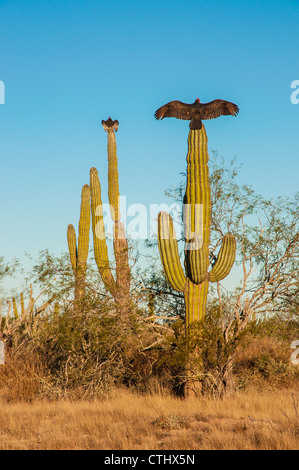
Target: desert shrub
(84, 353)
(22, 377)
(263, 362)
(258, 358)
(87, 352)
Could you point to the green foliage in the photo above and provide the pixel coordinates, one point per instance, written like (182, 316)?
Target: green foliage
(4, 268)
(7, 270)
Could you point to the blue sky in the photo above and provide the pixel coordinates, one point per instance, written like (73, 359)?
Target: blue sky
(67, 65)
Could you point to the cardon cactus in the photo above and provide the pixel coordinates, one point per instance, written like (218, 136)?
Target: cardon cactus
(24, 323)
(118, 286)
(194, 282)
(79, 252)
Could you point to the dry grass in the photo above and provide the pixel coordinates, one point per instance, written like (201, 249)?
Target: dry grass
(125, 421)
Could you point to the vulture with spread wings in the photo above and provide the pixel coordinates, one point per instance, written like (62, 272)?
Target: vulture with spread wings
(110, 125)
(197, 111)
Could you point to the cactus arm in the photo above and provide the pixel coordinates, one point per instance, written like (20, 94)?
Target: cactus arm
(79, 254)
(98, 228)
(22, 304)
(225, 259)
(15, 308)
(72, 244)
(84, 227)
(169, 252)
(197, 208)
(31, 302)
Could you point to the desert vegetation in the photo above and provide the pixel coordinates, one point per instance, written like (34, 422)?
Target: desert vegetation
(267, 421)
(99, 348)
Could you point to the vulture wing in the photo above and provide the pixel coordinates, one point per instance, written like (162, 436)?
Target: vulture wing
(217, 108)
(175, 109)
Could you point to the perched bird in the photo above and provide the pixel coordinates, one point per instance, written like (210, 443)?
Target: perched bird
(110, 125)
(197, 111)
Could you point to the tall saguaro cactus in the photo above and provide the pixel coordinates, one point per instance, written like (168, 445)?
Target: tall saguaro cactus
(79, 251)
(118, 286)
(194, 283)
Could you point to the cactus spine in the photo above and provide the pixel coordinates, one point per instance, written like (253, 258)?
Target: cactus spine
(79, 252)
(194, 283)
(119, 287)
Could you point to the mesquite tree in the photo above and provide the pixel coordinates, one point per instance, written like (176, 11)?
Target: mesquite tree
(264, 281)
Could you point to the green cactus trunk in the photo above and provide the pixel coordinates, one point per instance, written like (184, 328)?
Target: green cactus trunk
(118, 287)
(197, 208)
(197, 222)
(195, 301)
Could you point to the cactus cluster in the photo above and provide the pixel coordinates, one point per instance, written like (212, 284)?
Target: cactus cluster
(79, 250)
(26, 318)
(91, 203)
(194, 282)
